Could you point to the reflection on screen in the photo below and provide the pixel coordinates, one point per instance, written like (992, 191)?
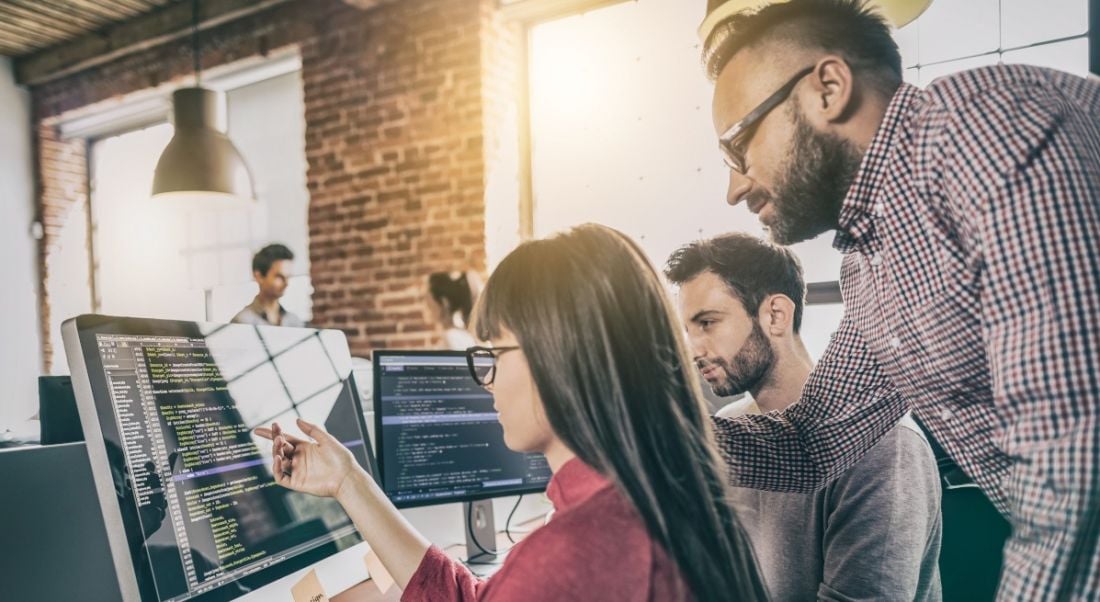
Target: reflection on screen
(209, 510)
(440, 437)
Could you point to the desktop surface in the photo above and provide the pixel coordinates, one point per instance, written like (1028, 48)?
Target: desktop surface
(168, 410)
(438, 436)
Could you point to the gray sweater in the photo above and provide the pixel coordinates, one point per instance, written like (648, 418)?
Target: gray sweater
(872, 534)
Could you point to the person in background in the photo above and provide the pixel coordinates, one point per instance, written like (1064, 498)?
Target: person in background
(452, 296)
(588, 367)
(871, 534)
(271, 268)
(968, 213)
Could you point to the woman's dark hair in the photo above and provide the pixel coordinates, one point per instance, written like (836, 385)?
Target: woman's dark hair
(618, 386)
(453, 293)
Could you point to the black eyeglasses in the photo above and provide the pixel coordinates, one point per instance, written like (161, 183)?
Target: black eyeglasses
(735, 139)
(482, 362)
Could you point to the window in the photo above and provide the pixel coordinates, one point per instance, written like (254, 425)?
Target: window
(622, 136)
(953, 35)
(620, 118)
(169, 260)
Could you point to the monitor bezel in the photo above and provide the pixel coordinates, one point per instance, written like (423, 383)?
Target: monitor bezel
(80, 332)
(376, 398)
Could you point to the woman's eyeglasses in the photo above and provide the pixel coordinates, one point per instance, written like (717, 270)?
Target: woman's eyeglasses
(482, 362)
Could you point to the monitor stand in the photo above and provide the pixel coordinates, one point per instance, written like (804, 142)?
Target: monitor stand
(481, 532)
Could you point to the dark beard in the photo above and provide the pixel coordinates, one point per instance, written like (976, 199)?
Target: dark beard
(814, 181)
(749, 368)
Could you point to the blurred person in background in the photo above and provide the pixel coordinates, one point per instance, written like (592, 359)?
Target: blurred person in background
(271, 269)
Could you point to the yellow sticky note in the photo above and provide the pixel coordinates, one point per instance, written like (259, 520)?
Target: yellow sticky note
(378, 573)
(309, 589)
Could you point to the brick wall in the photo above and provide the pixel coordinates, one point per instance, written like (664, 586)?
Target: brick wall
(62, 191)
(394, 142)
(394, 112)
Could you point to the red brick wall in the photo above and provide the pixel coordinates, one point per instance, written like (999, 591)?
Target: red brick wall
(393, 129)
(394, 140)
(62, 185)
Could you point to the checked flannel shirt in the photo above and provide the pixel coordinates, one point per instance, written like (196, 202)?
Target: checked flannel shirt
(971, 286)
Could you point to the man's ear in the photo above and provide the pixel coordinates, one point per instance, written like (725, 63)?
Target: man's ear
(776, 315)
(829, 96)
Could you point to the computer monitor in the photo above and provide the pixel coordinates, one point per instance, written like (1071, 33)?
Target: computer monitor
(58, 418)
(168, 407)
(439, 441)
(50, 522)
(438, 437)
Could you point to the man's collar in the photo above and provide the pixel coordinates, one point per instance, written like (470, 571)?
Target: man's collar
(856, 222)
(258, 307)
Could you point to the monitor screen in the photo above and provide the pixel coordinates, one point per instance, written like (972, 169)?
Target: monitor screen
(439, 439)
(168, 410)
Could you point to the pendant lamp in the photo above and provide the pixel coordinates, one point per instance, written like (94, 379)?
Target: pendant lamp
(200, 163)
(897, 12)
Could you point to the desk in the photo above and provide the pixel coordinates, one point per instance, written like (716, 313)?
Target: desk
(367, 592)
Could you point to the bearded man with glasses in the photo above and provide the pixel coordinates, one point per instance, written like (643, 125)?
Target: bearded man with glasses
(969, 216)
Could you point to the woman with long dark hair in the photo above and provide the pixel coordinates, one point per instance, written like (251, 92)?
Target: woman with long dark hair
(589, 367)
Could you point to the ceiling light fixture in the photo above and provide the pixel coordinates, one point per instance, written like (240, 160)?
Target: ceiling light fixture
(200, 163)
(897, 12)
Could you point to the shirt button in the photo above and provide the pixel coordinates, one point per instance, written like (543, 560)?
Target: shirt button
(880, 209)
(946, 415)
(876, 260)
(895, 342)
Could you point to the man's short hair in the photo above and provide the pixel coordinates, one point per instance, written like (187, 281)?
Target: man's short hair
(849, 28)
(751, 268)
(267, 256)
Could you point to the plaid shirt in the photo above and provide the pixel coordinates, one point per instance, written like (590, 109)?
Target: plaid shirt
(971, 285)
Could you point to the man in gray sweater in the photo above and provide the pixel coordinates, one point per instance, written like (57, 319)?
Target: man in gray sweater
(874, 532)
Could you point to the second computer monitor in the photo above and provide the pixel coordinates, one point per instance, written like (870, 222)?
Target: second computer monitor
(438, 436)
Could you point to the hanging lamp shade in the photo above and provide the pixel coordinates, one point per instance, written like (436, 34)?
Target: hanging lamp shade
(200, 163)
(898, 12)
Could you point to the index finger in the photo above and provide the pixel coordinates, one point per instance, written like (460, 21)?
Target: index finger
(276, 431)
(317, 433)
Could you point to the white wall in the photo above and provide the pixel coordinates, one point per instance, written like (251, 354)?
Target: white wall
(20, 351)
(139, 268)
(267, 123)
(953, 35)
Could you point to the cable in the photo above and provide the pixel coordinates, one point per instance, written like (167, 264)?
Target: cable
(508, 523)
(195, 62)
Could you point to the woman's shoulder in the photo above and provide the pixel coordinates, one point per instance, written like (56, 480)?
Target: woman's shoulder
(596, 549)
(604, 519)
(606, 509)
